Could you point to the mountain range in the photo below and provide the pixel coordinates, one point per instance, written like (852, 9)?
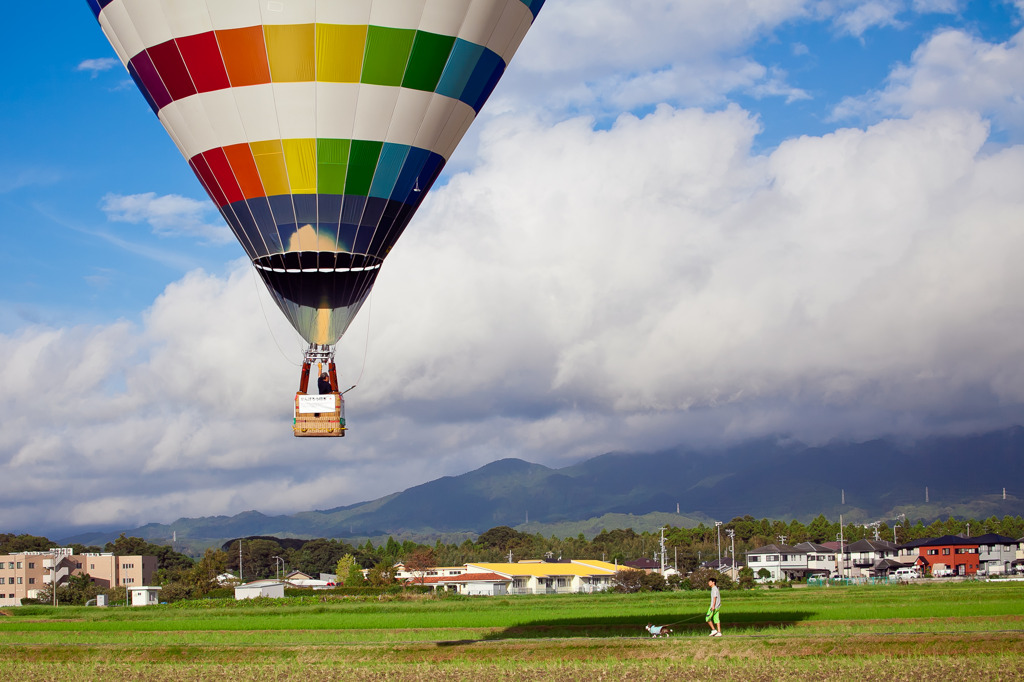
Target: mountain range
(773, 478)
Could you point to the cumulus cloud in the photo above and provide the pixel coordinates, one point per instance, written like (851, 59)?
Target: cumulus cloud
(953, 69)
(582, 290)
(603, 55)
(608, 281)
(169, 215)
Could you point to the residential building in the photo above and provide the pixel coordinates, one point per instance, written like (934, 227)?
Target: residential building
(949, 552)
(864, 558)
(783, 562)
(996, 553)
(821, 560)
(726, 566)
(22, 576)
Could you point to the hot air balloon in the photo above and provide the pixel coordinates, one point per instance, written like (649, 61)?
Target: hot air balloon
(316, 127)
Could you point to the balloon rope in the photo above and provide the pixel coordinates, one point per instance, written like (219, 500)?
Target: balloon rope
(366, 347)
(256, 286)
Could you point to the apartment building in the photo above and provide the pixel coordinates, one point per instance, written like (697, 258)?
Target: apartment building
(23, 575)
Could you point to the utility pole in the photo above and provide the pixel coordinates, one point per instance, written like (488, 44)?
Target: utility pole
(842, 564)
(663, 550)
(718, 531)
(732, 540)
(239, 561)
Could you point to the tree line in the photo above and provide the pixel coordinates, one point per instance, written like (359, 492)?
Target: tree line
(184, 577)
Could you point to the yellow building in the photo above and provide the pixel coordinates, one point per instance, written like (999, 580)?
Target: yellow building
(553, 577)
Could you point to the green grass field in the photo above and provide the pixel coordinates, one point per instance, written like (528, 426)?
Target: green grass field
(887, 632)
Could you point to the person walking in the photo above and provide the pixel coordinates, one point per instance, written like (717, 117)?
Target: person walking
(716, 603)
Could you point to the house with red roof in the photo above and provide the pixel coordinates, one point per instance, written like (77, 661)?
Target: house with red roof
(471, 584)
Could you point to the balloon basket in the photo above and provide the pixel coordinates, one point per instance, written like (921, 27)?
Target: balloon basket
(319, 416)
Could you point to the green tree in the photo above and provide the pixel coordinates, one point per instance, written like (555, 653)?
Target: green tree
(344, 567)
(699, 579)
(502, 538)
(16, 544)
(355, 576)
(382, 575)
(78, 590)
(747, 578)
(127, 546)
(821, 529)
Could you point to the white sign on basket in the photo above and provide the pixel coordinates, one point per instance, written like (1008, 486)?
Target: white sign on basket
(310, 404)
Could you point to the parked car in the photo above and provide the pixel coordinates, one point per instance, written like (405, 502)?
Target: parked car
(906, 573)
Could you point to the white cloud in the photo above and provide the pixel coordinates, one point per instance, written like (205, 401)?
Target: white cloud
(602, 55)
(875, 14)
(580, 291)
(169, 215)
(953, 69)
(97, 66)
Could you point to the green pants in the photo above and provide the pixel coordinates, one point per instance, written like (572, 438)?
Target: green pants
(712, 616)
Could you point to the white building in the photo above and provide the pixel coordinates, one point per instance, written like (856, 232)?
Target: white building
(144, 595)
(783, 562)
(260, 588)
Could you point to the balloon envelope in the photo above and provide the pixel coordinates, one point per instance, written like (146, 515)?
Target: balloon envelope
(316, 126)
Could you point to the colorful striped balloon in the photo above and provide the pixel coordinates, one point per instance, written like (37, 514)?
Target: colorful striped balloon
(316, 126)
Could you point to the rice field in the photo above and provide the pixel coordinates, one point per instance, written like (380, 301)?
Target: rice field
(886, 632)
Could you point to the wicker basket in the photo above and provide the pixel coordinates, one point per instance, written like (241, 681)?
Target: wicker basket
(329, 424)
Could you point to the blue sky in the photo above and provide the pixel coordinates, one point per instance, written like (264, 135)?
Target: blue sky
(686, 223)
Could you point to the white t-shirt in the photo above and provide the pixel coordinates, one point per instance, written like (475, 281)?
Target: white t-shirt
(716, 598)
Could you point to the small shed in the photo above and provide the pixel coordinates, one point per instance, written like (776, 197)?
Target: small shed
(144, 596)
(260, 588)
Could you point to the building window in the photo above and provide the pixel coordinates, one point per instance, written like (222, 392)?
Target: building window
(31, 581)
(31, 564)
(932, 552)
(19, 580)
(772, 557)
(19, 564)
(755, 559)
(78, 564)
(945, 551)
(10, 564)
(92, 567)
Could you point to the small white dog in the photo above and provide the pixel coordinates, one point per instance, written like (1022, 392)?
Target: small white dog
(658, 630)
